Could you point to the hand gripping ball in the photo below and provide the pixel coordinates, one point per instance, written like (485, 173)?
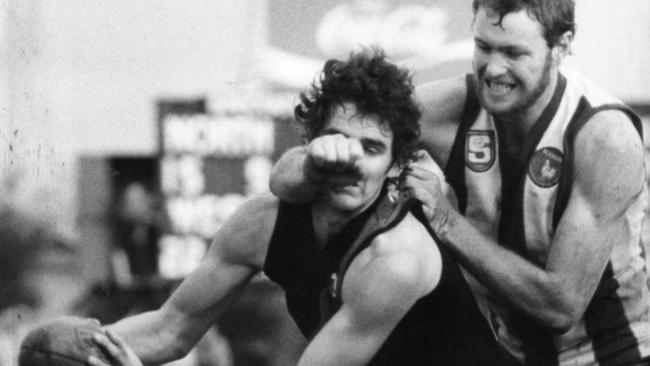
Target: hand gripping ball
(66, 341)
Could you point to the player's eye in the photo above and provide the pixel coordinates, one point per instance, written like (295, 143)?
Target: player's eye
(513, 54)
(372, 149)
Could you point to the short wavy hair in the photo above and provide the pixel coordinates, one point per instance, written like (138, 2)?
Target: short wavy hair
(377, 88)
(555, 16)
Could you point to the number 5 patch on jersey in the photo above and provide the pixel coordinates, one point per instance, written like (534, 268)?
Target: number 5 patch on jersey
(480, 150)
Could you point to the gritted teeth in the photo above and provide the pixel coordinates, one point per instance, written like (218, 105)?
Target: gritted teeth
(499, 87)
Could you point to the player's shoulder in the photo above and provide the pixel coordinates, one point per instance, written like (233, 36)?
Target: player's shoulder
(442, 99)
(247, 232)
(609, 160)
(442, 103)
(257, 212)
(264, 202)
(453, 87)
(610, 131)
(410, 232)
(407, 254)
(608, 118)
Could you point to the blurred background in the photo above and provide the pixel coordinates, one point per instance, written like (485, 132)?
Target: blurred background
(129, 130)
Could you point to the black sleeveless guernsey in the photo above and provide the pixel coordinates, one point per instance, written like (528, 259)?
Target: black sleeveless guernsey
(444, 327)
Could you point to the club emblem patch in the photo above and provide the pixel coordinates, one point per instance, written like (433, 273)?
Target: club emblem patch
(545, 167)
(480, 150)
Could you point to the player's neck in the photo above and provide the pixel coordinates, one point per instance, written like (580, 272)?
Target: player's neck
(328, 220)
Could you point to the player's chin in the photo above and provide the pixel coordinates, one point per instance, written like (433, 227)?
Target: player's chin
(345, 201)
(501, 105)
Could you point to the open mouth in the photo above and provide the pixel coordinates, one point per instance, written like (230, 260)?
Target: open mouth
(498, 87)
(345, 188)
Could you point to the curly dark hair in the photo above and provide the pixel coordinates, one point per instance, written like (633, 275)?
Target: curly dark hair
(377, 88)
(555, 16)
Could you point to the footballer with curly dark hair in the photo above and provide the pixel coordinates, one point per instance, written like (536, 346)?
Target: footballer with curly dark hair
(363, 277)
(376, 87)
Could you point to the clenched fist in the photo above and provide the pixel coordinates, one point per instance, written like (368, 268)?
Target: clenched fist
(331, 160)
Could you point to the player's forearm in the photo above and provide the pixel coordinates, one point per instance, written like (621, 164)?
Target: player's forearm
(449, 194)
(288, 181)
(539, 294)
(335, 357)
(150, 337)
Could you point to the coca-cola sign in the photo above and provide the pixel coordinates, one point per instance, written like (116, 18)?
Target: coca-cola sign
(417, 33)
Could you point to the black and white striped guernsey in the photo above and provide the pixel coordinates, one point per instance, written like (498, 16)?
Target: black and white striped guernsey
(518, 201)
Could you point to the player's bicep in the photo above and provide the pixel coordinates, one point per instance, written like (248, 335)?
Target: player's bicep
(400, 266)
(608, 177)
(343, 342)
(610, 163)
(378, 291)
(609, 170)
(235, 255)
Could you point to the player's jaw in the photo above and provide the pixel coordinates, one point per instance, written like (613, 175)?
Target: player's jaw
(352, 198)
(498, 94)
(347, 197)
(508, 94)
(499, 88)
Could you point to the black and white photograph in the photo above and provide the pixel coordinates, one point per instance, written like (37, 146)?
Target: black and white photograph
(324, 183)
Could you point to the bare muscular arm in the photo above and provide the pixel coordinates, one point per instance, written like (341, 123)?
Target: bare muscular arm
(380, 287)
(609, 176)
(236, 254)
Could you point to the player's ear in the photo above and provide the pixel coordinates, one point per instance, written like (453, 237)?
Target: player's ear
(562, 47)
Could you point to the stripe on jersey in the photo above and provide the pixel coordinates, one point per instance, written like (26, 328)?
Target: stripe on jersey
(455, 168)
(605, 314)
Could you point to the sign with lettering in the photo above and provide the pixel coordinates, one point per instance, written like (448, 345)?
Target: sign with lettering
(431, 37)
(209, 162)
